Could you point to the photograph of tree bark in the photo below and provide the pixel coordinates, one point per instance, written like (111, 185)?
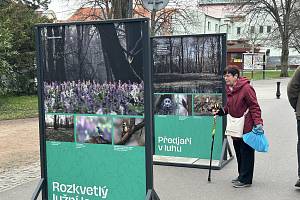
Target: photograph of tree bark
(93, 68)
(59, 128)
(187, 64)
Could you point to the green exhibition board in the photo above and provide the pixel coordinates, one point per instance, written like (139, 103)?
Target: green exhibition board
(81, 168)
(181, 136)
(188, 83)
(93, 172)
(95, 115)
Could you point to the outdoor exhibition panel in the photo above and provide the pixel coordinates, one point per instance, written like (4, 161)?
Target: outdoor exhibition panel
(187, 83)
(253, 61)
(95, 109)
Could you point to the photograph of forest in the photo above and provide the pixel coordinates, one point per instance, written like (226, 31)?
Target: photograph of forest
(59, 128)
(93, 68)
(95, 130)
(187, 64)
(173, 104)
(129, 131)
(203, 103)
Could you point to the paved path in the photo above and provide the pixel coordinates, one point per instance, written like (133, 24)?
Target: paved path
(275, 172)
(19, 145)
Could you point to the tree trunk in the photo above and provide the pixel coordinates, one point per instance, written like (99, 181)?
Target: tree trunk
(171, 55)
(59, 53)
(181, 53)
(120, 9)
(56, 122)
(79, 30)
(284, 58)
(220, 55)
(116, 59)
(49, 72)
(152, 28)
(135, 47)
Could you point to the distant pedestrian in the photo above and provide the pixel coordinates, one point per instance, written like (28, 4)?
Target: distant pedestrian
(293, 92)
(241, 101)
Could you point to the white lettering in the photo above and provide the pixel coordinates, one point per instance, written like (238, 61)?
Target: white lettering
(63, 188)
(74, 189)
(160, 148)
(175, 141)
(160, 139)
(104, 192)
(89, 191)
(55, 185)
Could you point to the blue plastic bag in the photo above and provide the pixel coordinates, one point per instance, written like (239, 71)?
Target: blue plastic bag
(257, 140)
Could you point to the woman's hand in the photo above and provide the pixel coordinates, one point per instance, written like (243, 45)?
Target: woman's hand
(259, 127)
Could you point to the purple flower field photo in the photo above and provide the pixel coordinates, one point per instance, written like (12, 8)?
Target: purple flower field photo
(91, 97)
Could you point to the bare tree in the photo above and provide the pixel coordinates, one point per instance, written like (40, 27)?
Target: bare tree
(282, 11)
(162, 20)
(296, 33)
(106, 9)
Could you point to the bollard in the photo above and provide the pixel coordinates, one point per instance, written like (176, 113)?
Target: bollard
(278, 90)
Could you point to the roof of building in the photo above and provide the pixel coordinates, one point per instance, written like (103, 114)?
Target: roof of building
(87, 14)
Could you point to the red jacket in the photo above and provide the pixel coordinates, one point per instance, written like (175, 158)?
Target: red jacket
(239, 100)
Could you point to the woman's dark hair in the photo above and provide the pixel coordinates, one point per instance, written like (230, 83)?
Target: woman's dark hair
(233, 70)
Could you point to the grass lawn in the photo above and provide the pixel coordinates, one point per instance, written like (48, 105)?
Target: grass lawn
(258, 75)
(17, 107)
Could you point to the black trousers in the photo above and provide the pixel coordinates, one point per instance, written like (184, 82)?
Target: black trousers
(298, 146)
(245, 160)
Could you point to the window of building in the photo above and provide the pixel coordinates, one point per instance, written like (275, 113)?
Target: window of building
(238, 30)
(261, 29)
(229, 29)
(268, 29)
(216, 28)
(252, 29)
(208, 26)
(236, 57)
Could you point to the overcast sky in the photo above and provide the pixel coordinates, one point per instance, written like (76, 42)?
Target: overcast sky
(64, 8)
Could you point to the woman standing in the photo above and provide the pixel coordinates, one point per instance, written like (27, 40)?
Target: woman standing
(241, 100)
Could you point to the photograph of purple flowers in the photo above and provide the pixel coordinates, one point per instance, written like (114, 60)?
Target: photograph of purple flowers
(129, 131)
(203, 103)
(90, 97)
(93, 129)
(59, 128)
(173, 104)
(94, 69)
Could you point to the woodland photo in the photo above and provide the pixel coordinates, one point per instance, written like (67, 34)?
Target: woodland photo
(187, 64)
(129, 131)
(59, 128)
(173, 104)
(96, 69)
(94, 129)
(204, 103)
